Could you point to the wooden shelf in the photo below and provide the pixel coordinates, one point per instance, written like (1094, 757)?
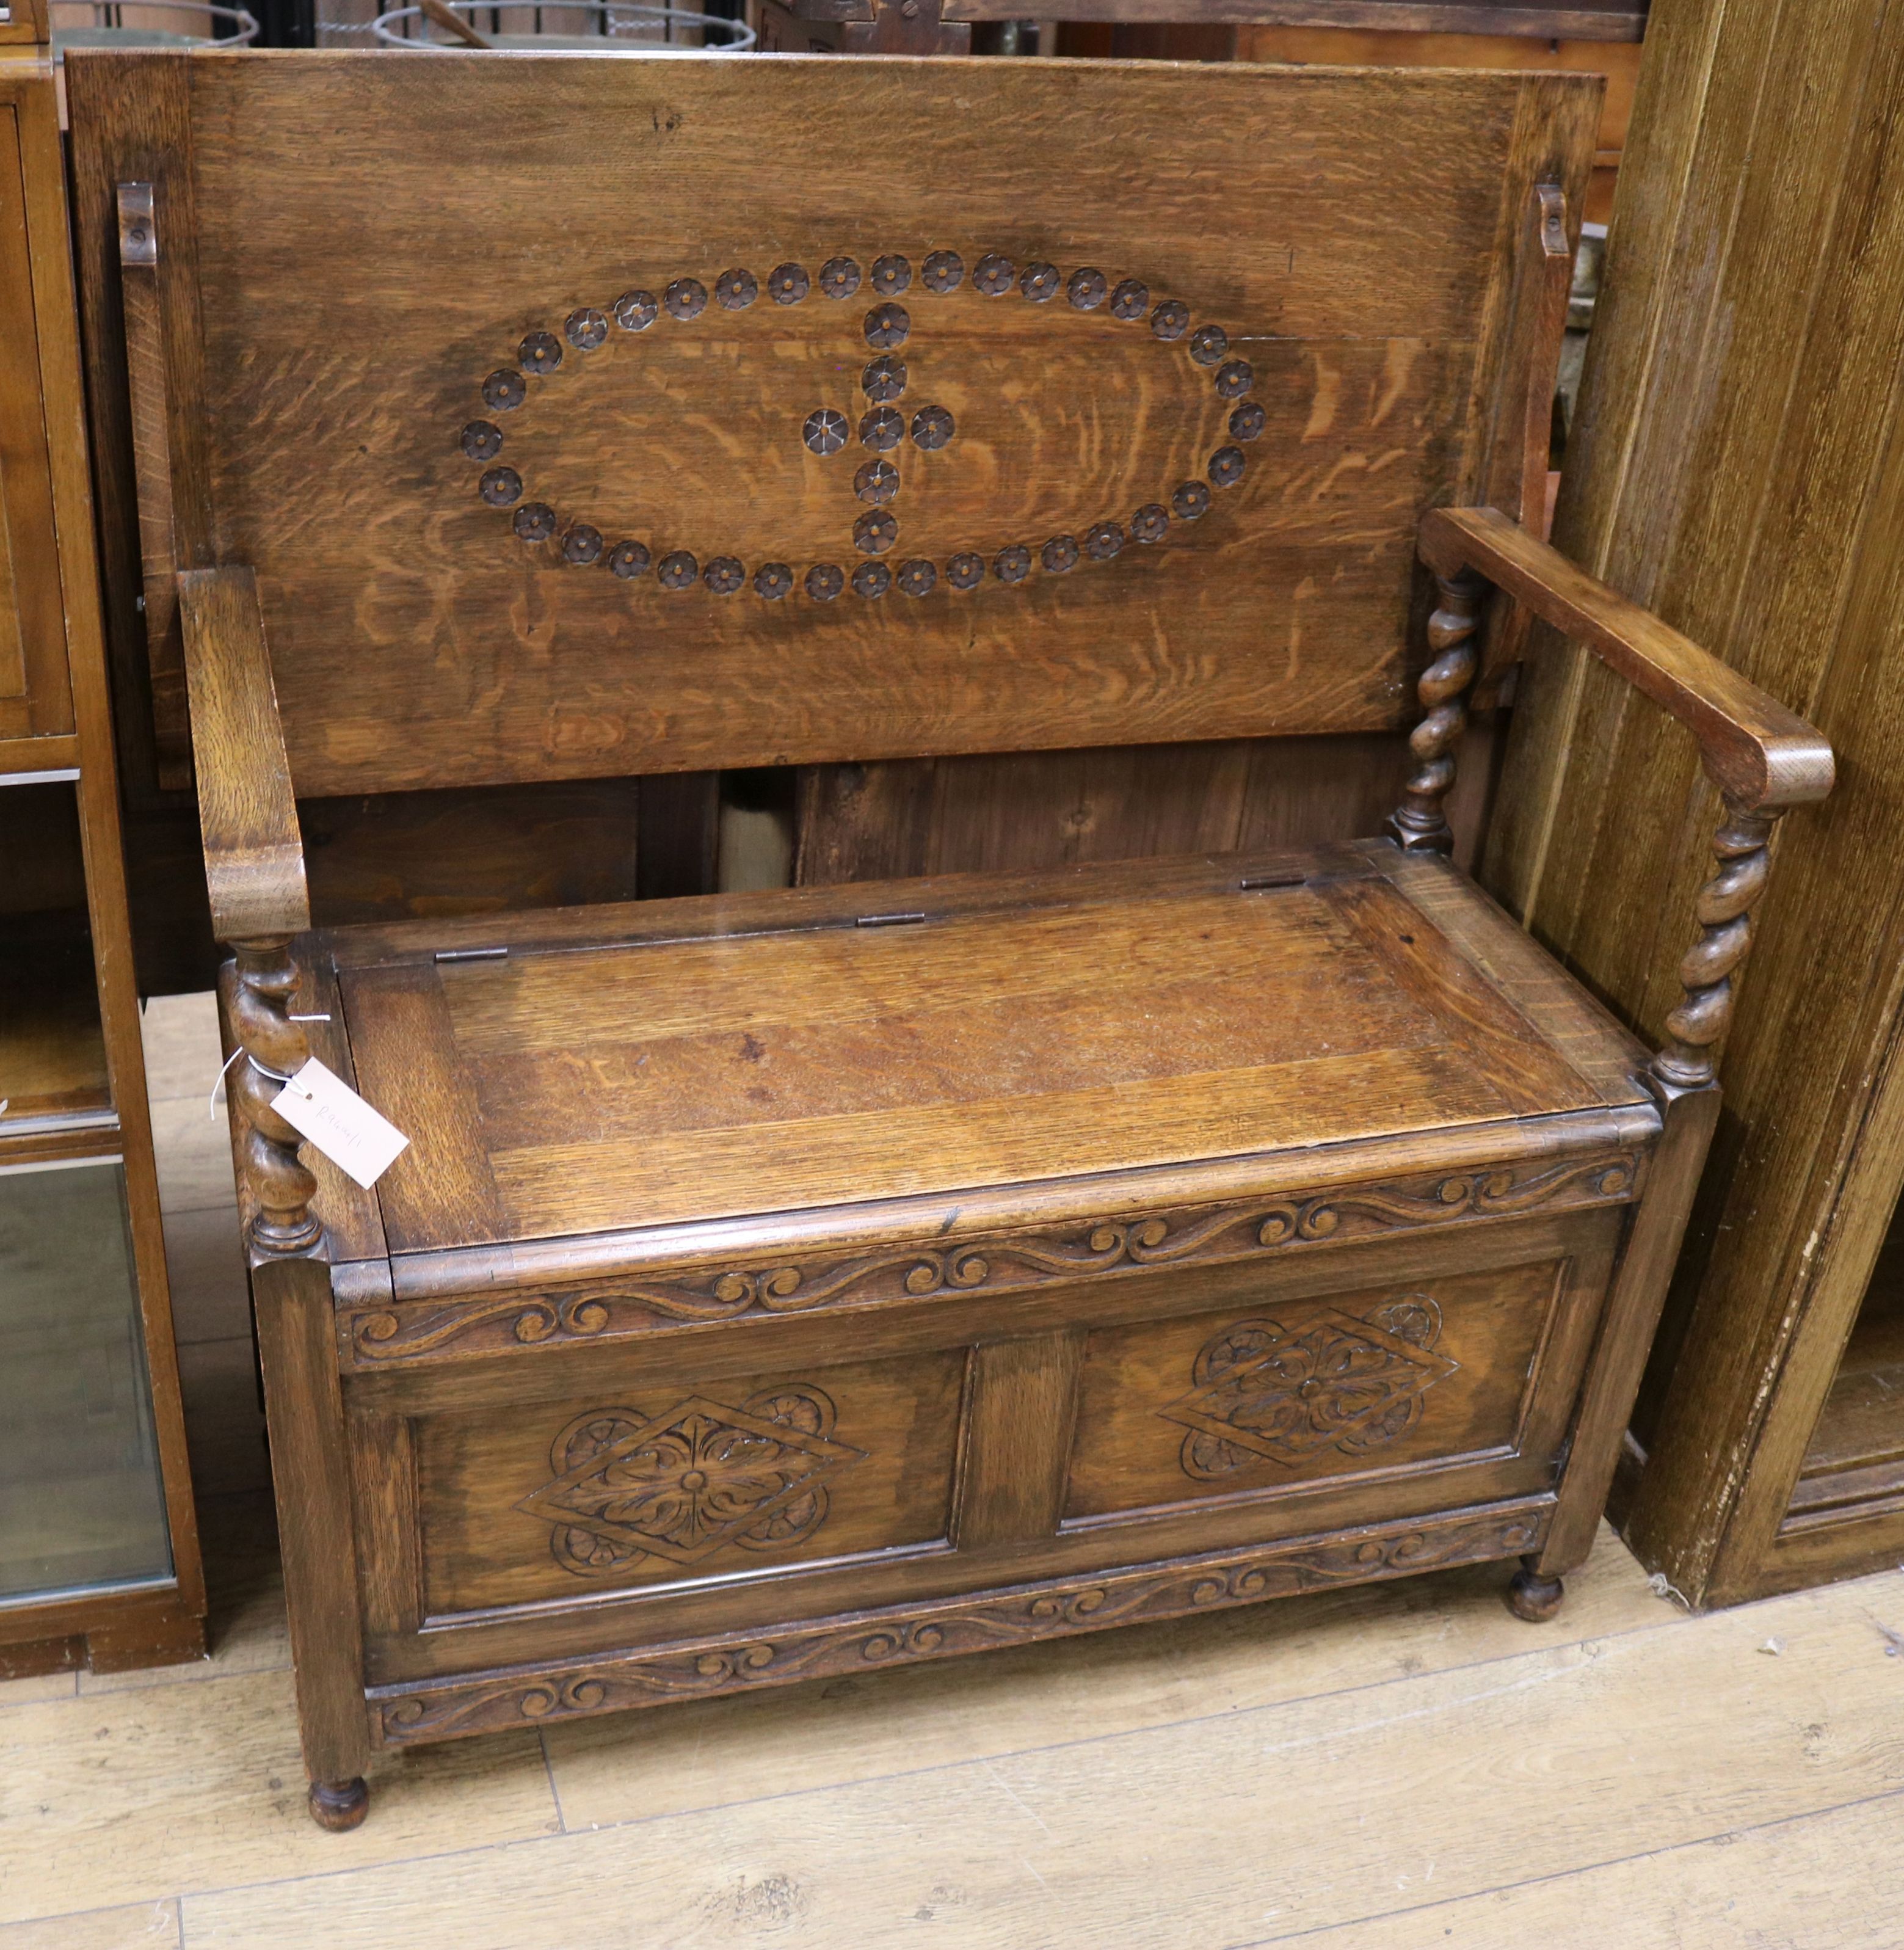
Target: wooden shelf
(1855, 1466)
(52, 1047)
(52, 1050)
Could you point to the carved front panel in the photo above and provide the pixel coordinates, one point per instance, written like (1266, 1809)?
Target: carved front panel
(1289, 1395)
(1288, 1389)
(650, 1487)
(683, 1484)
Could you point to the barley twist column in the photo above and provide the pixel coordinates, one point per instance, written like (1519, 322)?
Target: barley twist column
(1723, 911)
(274, 1050)
(1420, 823)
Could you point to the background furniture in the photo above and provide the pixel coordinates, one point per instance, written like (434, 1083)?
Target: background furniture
(98, 1548)
(1736, 464)
(1588, 39)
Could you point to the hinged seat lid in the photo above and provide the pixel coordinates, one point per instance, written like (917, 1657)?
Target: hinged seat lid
(674, 1064)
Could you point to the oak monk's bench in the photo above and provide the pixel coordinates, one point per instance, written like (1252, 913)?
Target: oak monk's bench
(783, 1284)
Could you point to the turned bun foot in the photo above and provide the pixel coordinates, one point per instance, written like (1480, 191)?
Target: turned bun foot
(338, 1805)
(1533, 1597)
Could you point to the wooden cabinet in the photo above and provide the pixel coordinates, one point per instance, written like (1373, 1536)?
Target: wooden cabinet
(36, 699)
(22, 22)
(98, 1549)
(1737, 465)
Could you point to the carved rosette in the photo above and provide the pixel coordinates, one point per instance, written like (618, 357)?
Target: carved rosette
(274, 1050)
(373, 1336)
(410, 1714)
(1723, 911)
(1282, 1393)
(1420, 822)
(682, 1485)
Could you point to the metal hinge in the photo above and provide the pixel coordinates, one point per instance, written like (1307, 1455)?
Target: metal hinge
(1252, 883)
(888, 919)
(470, 954)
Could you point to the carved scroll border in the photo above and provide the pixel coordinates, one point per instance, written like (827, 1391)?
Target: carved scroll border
(408, 1714)
(379, 1335)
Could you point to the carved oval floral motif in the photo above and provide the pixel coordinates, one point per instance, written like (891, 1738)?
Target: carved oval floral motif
(682, 1484)
(895, 381)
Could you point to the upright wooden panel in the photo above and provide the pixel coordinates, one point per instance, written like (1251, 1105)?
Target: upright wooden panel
(1737, 465)
(1346, 231)
(35, 696)
(1499, 44)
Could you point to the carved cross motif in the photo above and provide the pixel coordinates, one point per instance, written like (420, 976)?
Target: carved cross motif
(885, 328)
(1266, 1390)
(681, 1484)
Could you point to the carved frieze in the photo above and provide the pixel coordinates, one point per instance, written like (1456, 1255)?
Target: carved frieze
(867, 1640)
(373, 1336)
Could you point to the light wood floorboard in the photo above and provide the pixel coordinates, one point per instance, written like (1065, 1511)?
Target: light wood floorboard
(1834, 1881)
(141, 1926)
(1251, 1825)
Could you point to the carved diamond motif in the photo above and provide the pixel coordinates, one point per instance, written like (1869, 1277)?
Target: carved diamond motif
(1264, 1389)
(682, 1484)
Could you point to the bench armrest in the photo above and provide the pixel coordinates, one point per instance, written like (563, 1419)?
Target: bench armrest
(254, 869)
(1762, 757)
(254, 854)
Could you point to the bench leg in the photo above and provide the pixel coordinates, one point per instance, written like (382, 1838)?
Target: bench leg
(304, 1413)
(1533, 1596)
(339, 1805)
(1631, 1317)
(304, 1400)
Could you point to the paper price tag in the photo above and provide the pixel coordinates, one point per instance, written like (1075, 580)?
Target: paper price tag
(320, 1106)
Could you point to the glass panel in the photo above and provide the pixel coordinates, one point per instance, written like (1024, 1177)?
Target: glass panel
(81, 1500)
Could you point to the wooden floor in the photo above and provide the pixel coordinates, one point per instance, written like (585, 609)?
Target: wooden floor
(1378, 1770)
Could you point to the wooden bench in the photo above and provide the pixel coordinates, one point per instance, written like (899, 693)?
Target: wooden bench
(788, 1283)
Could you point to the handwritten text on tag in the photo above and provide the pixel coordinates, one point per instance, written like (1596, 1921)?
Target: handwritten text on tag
(323, 1108)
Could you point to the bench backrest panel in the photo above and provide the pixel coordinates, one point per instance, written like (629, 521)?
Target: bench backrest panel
(371, 238)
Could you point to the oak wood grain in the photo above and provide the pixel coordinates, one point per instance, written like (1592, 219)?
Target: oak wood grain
(1367, 344)
(1757, 752)
(766, 1070)
(778, 1282)
(255, 856)
(1022, 1394)
(309, 1474)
